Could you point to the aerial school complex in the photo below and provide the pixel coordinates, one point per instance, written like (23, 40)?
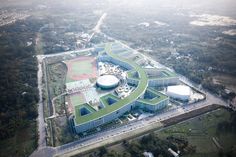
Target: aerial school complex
(103, 88)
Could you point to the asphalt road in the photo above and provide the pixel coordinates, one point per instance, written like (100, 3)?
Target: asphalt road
(41, 124)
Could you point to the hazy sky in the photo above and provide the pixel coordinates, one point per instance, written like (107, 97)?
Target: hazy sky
(225, 7)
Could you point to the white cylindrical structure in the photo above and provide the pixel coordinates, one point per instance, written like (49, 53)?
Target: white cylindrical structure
(107, 81)
(181, 92)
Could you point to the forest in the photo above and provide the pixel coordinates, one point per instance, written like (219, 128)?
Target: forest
(18, 77)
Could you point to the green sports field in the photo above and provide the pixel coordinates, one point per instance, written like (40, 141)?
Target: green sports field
(82, 67)
(77, 99)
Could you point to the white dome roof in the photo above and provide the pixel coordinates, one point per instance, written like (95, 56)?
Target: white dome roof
(182, 92)
(107, 81)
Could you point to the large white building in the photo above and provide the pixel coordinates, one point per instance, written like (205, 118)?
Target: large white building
(143, 96)
(181, 92)
(107, 81)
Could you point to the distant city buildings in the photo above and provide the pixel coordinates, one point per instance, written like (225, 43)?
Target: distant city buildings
(7, 17)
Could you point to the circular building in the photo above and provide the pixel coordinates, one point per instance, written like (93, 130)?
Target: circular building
(107, 81)
(180, 92)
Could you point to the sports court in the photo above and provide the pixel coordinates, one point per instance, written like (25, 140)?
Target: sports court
(81, 68)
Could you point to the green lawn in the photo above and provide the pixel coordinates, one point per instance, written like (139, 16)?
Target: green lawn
(82, 67)
(158, 97)
(77, 99)
(68, 79)
(200, 131)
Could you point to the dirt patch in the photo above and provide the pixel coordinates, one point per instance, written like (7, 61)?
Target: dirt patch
(227, 80)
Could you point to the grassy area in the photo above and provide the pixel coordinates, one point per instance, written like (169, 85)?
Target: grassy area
(56, 78)
(200, 130)
(158, 97)
(85, 105)
(104, 99)
(82, 67)
(77, 99)
(62, 132)
(22, 144)
(56, 81)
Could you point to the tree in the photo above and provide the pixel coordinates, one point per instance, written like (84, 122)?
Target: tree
(102, 151)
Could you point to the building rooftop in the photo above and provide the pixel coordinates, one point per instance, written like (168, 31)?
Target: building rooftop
(158, 97)
(113, 103)
(107, 81)
(142, 85)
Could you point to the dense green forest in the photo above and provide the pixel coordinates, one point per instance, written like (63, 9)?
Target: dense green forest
(18, 77)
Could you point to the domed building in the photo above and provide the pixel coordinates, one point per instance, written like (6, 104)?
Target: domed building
(107, 81)
(180, 92)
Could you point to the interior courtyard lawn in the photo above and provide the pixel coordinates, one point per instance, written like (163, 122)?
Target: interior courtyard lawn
(77, 99)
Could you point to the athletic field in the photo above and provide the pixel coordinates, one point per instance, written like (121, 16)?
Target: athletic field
(81, 68)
